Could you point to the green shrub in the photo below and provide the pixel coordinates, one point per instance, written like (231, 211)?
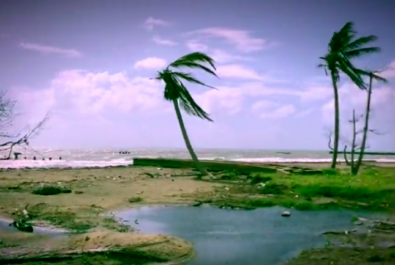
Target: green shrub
(347, 193)
(229, 175)
(273, 188)
(330, 171)
(47, 190)
(259, 179)
(135, 199)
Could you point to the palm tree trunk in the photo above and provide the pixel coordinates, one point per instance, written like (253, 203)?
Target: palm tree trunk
(366, 126)
(337, 124)
(195, 159)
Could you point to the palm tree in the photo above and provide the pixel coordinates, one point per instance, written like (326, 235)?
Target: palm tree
(176, 92)
(343, 47)
(372, 76)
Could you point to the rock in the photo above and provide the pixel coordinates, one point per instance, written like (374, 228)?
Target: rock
(261, 185)
(197, 204)
(286, 214)
(78, 192)
(23, 226)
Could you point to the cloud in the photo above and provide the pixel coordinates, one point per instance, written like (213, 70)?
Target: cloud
(351, 97)
(161, 41)
(79, 95)
(150, 63)
(316, 93)
(389, 72)
(241, 39)
(224, 99)
(231, 100)
(219, 55)
(272, 110)
(237, 71)
(151, 23)
(50, 50)
(304, 112)
(195, 46)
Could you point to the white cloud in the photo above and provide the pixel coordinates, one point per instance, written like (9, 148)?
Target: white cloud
(150, 63)
(389, 72)
(272, 110)
(351, 97)
(151, 23)
(240, 38)
(316, 93)
(222, 56)
(237, 71)
(224, 99)
(195, 46)
(304, 112)
(219, 55)
(50, 49)
(78, 95)
(162, 41)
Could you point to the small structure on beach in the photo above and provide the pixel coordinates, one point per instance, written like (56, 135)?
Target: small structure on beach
(16, 155)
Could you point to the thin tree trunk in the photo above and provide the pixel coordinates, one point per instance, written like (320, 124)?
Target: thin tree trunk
(354, 136)
(337, 124)
(195, 159)
(366, 126)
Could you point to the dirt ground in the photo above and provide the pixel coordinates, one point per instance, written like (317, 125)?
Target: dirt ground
(95, 192)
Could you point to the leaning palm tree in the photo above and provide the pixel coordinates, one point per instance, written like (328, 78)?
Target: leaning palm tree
(176, 92)
(343, 47)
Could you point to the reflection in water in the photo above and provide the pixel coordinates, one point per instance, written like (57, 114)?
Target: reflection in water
(223, 237)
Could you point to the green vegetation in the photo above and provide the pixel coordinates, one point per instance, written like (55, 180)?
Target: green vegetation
(333, 189)
(135, 199)
(176, 92)
(50, 190)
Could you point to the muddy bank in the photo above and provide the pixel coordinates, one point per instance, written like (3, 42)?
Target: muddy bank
(99, 247)
(376, 245)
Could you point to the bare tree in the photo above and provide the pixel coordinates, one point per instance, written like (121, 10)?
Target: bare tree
(372, 76)
(357, 148)
(7, 117)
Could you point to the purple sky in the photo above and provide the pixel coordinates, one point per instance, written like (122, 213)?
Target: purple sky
(88, 62)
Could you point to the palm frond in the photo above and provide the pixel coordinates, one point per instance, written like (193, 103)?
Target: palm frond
(190, 78)
(195, 60)
(353, 73)
(176, 90)
(342, 37)
(358, 43)
(374, 75)
(362, 51)
(188, 104)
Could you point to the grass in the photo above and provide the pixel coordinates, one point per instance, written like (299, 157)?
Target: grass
(373, 188)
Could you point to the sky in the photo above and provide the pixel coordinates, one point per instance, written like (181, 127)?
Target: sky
(89, 63)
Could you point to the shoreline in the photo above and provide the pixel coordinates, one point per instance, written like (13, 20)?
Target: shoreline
(291, 162)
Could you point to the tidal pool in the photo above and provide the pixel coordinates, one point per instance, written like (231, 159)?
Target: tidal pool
(261, 236)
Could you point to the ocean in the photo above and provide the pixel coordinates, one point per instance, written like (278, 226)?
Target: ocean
(78, 158)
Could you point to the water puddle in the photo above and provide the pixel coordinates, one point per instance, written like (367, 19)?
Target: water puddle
(261, 236)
